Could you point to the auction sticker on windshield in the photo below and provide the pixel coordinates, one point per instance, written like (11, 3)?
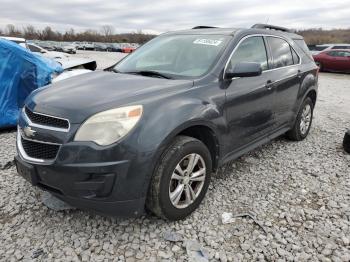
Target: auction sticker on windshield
(207, 42)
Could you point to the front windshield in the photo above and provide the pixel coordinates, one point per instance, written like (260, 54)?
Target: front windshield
(176, 55)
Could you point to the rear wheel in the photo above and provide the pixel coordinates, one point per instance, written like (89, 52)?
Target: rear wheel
(303, 121)
(181, 179)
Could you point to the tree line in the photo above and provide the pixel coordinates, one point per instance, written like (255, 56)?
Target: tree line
(107, 34)
(320, 36)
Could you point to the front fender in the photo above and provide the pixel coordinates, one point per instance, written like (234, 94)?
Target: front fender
(175, 116)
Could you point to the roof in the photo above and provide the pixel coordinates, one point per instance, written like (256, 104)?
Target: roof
(233, 31)
(205, 31)
(17, 39)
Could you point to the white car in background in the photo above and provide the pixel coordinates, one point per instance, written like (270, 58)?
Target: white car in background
(49, 54)
(21, 41)
(72, 66)
(324, 47)
(70, 49)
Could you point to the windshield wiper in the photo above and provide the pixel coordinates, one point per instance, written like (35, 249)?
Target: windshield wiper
(149, 73)
(116, 70)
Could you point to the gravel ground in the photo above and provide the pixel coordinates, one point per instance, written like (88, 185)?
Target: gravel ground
(298, 192)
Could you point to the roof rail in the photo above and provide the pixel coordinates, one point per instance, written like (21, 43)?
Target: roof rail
(203, 27)
(272, 27)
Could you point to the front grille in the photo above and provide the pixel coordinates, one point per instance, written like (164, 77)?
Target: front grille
(46, 120)
(39, 150)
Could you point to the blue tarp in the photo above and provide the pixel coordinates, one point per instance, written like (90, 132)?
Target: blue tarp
(21, 72)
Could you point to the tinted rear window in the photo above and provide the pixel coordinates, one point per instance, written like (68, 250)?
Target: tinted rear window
(281, 52)
(301, 43)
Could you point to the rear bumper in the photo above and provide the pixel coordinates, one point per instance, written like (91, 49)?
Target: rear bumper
(92, 186)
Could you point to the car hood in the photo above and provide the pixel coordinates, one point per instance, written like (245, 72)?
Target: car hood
(76, 62)
(81, 96)
(55, 55)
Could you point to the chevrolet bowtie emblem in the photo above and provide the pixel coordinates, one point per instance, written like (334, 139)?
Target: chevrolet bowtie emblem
(28, 132)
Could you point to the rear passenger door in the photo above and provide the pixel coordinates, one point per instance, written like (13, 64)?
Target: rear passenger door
(286, 77)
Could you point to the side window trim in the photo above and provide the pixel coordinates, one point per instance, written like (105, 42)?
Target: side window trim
(239, 44)
(269, 54)
(267, 48)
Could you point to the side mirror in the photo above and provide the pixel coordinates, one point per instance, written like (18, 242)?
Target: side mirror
(244, 69)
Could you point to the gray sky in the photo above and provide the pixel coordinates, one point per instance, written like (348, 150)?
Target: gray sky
(163, 15)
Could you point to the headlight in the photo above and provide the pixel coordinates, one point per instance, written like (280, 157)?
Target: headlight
(108, 127)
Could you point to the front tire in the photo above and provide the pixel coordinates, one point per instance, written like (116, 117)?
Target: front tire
(303, 121)
(180, 180)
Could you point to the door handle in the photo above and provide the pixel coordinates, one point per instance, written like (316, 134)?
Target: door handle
(269, 85)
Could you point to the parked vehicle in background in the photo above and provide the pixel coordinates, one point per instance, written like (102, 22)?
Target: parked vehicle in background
(148, 133)
(113, 48)
(46, 46)
(100, 47)
(316, 49)
(18, 40)
(70, 49)
(79, 46)
(49, 54)
(128, 49)
(67, 62)
(334, 60)
(58, 47)
(21, 72)
(88, 46)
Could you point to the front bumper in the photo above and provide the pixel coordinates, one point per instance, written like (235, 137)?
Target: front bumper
(91, 186)
(112, 180)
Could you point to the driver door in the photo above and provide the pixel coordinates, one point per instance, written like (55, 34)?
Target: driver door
(249, 100)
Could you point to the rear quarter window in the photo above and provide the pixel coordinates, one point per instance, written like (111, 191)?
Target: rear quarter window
(281, 52)
(302, 45)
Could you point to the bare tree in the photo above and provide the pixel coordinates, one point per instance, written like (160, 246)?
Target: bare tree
(106, 34)
(69, 35)
(107, 31)
(12, 30)
(29, 32)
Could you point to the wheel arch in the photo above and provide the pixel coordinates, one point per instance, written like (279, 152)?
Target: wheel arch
(312, 94)
(201, 130)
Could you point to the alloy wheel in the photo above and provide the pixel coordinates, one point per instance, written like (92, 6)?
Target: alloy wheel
(187, 180)
(305, 119)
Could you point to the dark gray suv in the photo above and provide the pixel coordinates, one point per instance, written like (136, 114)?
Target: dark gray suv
(147, 133)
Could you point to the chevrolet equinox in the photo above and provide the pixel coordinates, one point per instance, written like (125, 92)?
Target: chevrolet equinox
(147, 133)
